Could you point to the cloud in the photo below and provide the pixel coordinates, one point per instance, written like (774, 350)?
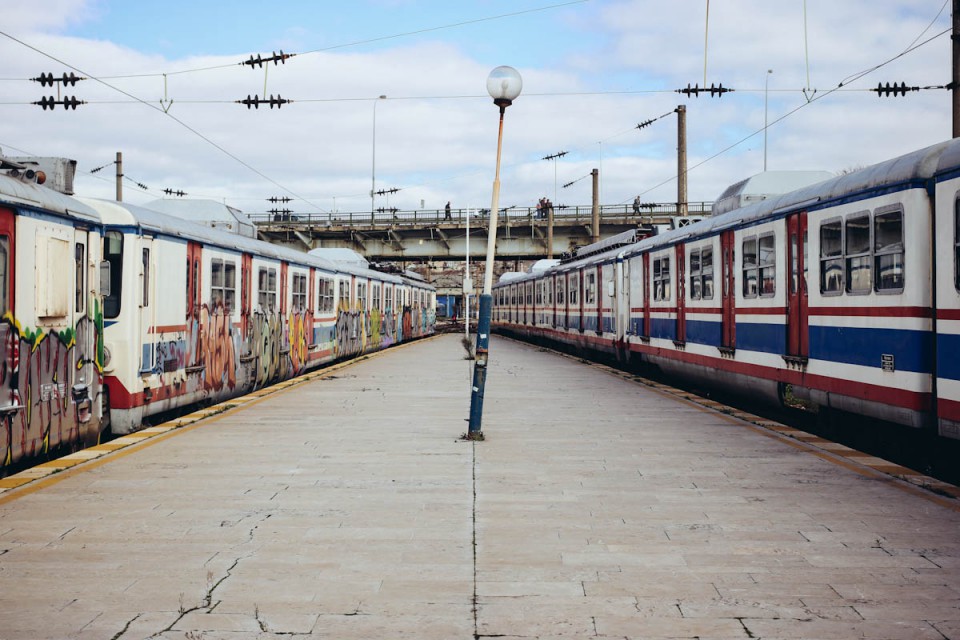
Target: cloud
(436, 131)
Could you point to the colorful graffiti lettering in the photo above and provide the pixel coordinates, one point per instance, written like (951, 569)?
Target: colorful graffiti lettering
(351, 333)
(50, 386)
(220, 344)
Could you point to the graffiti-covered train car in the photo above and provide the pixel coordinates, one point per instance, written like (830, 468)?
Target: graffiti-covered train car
(51, 327)
(114, 313)
(196, 314)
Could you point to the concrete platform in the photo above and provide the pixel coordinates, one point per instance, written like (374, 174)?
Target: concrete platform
(347, 507)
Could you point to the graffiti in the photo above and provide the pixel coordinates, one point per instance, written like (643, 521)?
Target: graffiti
(376, 325)
(265, 336)
(220, 346)
(351, 333)
(299, 333)
(50, 385)
(388, 327)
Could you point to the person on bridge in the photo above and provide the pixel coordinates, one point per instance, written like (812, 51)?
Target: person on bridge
(636, 205)
(446, 211)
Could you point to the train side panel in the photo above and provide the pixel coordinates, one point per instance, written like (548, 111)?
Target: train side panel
(51, 330)
(948, 304)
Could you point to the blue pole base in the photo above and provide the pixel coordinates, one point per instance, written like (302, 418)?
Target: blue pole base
(480, 368)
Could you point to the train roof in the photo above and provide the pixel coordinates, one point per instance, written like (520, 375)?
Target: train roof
(765, 185)
(913, 168)
(30, 194)
(209, 213)
(128, 215)
(125, 215)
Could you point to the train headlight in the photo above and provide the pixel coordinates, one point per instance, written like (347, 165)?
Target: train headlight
(107, 356)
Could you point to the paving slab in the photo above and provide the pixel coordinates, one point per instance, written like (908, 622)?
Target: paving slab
(347, 506)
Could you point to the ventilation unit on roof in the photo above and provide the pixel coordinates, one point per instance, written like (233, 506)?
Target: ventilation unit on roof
(53, 173)
(613, 242)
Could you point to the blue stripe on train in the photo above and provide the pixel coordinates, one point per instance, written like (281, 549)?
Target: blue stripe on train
(858, 346)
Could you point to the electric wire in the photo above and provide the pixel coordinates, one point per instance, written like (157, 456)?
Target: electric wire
(164, 112)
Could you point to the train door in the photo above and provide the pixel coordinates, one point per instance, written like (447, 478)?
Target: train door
(284, 292)
(246, 289)
(9, 402)
(645, 332)
(194, 255)
(797, 303)
(580, 284)
(147, 310)
(681, 255)
(621, 301)
(728, 294)
(601, 295)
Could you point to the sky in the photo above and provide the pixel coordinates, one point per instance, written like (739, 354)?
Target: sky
(164, 78)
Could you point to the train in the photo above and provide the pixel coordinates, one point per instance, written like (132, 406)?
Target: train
(113, 315)
(843, 295)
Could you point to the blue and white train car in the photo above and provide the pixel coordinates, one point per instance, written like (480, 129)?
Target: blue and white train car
(836, 293)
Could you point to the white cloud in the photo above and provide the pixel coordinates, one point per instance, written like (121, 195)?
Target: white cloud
(436, 132)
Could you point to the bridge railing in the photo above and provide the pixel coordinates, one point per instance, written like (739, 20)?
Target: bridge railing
(508, 215)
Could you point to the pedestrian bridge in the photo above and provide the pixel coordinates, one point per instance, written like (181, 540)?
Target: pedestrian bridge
(430, 234)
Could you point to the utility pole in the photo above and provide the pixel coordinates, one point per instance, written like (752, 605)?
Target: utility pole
(955, 85)
(550, 229)
(119, 176)
(595, 227)
(682, 159)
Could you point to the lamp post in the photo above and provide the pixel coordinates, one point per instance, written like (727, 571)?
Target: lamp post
(373, 166)
(766, 86)
(503, 85)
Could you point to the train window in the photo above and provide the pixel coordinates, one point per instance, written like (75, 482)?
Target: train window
(857, 254)
(375, 303)
(750, 268)
(590, 288)
(4, 274)
(831, 258)
(79, 260)
(706, 268)
(560, 291)
(696, 284)
(362, 295)
(529, 288)
(299, 292)
(344, 295)
(540, 293)
(325, 299)
(113, 253)
(388, 295)
(223, 284)
(574, 289)
(145, 266)
(701, 274)
(888, 250)
(267, 289)
(768, 265)
(661, 278)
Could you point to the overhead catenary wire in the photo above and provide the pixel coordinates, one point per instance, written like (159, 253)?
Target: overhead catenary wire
(164, 112)
(809, 101)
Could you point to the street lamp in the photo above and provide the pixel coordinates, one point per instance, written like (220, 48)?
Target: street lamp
(503, 85)
(373, 167)
(766, 86)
